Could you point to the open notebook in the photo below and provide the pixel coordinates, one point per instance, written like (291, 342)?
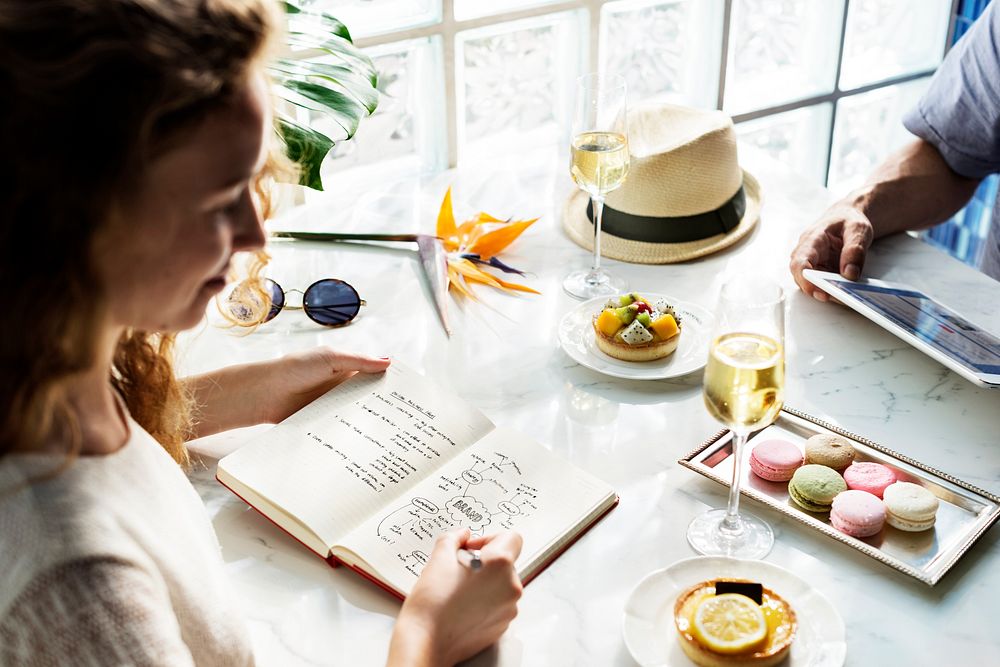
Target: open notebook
(370, 473)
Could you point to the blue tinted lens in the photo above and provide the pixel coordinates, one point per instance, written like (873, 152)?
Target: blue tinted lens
(277, 299)
(331, 302)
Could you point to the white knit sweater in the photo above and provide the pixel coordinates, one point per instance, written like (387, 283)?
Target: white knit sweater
(111, 562)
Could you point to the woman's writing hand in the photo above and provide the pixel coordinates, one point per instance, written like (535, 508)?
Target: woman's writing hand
(454, 612)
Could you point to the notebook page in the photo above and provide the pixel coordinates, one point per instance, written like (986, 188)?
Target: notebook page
(353, 450)
(504, 481)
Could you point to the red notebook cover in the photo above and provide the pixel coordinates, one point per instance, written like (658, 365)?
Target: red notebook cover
(333, 561)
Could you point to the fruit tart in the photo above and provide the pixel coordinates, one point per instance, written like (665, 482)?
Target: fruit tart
(631, 328)
(731, 622)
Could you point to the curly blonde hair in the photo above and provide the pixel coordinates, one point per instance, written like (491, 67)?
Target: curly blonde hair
(91, 91)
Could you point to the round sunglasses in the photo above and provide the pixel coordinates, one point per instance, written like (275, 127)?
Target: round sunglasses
(329, 301)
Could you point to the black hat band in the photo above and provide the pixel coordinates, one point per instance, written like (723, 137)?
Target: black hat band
(676, 229)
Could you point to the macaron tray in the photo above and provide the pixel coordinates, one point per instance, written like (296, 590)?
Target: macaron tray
(964, 512)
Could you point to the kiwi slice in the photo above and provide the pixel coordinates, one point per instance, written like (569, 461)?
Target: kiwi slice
(625, 314)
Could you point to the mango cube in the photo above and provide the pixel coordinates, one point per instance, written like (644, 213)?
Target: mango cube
(608, 323)
(665, 327)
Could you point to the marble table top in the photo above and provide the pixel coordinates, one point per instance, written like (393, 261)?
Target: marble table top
(505, 359)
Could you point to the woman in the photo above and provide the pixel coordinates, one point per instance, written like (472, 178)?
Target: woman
(135, 136)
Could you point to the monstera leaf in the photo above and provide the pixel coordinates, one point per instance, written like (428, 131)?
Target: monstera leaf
(343, 88)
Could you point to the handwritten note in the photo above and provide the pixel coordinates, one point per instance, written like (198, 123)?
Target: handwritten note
(358, 447)
(501, 482)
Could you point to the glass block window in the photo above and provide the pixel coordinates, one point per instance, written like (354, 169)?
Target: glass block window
(819, 84)
(365, 18)
(474, 9)
(406, 131)
(673, 49)
(511, 85)
(867, 129)
(789, 138)
(781, 51)
(888, 38)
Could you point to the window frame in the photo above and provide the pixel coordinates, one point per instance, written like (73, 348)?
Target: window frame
(447, 27)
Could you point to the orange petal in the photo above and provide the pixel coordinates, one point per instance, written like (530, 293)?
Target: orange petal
(455, 280)
(471, 272)
(482, 217)
(515, 286)
(474, 234)
(446, 217)
(463, 231)
(493, 242)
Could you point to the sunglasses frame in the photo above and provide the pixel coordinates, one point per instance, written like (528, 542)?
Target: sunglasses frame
(284, 305)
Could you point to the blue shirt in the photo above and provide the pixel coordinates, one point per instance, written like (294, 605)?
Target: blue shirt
(960, 114)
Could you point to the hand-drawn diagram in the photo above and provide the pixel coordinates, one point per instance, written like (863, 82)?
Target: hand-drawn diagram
(486, 496)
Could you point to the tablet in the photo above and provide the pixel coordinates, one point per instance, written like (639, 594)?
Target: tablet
(941, 333)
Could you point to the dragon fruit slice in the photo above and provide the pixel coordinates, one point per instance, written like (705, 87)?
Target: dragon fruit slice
(636, 334)
(666, 309)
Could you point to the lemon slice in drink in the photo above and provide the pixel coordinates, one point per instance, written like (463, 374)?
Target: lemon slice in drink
(729, 623)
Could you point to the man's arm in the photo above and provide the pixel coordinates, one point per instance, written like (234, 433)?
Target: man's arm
(913, 189)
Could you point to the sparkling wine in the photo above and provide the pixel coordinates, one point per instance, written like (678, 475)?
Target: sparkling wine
(599, 161)
(744, 380)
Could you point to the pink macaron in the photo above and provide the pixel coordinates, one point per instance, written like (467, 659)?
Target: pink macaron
(775, 460)
(870, 477)
(857, 513)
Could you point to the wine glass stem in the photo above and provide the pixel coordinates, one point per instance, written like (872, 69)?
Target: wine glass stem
(595, 269)
(731, 523)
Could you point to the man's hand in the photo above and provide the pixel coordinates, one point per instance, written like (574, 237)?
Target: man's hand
(913, 188)
(838, 242)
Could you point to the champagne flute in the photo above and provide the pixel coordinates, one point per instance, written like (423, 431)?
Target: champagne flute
(599, 162)
(744, 390)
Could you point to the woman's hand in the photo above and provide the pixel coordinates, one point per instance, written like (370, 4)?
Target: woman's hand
(270, 391)
(454, 612)
(299, 378)
(838, 242)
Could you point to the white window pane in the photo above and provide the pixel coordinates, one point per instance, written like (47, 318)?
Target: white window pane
(781, 51)
(869, 127)
(887, 38)
(665, 50)
(406, 133)
(514, 83)
(798, 139)
(473, 9)
(365, 17)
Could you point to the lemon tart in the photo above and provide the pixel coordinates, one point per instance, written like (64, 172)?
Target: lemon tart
(732, 629)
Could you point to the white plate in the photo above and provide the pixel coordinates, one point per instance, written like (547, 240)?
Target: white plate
(652, 639)
(576, 336)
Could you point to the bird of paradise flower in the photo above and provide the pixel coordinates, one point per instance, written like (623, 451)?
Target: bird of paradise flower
(474, 245)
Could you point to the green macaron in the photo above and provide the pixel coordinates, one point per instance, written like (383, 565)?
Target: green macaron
(814, 487)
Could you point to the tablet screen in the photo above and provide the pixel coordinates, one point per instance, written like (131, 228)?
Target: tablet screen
(932, 323)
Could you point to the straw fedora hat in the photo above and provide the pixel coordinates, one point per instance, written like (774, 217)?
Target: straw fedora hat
(685, 196)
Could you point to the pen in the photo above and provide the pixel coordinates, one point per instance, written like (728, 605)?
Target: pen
(469, 558)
